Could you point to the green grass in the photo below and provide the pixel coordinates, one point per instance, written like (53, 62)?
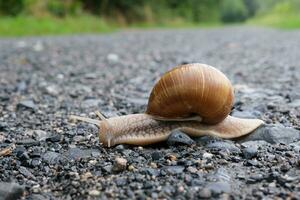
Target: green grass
(32, 26)
(28, 26)
(284, 21)
(175, 23)
(284, 14)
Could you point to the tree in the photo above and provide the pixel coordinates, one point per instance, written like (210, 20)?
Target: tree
(233, 11)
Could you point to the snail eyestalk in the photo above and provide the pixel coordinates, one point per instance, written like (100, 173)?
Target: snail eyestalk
(85, 119)
(89, 120)
(100, 115)
(105, 133)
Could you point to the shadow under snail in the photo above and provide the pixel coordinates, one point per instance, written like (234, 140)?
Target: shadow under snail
(194, 98)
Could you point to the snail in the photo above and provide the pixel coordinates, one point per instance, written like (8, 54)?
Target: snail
(194, 98)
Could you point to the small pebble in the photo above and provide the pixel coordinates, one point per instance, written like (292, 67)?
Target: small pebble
(172, 157)
(219, 187)
(153, 165)
(131, 168)
(156, 155)
(207, 155)
(177, 137)
(94, 193)
(140, 148)
(249, 152)
(6, 151)
(119, 164)
(192, 170)
(180, 189)
(11, 191)
(112, 58)
(26, 104)
(205, 193)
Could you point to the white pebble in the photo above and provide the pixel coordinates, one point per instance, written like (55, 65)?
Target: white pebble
(207, 155)
(112, 58)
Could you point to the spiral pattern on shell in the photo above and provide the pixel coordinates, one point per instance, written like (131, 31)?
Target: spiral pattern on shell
(192, 90)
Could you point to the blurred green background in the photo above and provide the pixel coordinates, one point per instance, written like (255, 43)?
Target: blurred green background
(44, 17)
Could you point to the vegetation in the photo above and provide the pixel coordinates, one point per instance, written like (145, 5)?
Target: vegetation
(21, 26)
(233, 11)
(38, 17)
(283, 14)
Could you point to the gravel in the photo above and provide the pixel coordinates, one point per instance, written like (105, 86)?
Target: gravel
(45, 79)
(10, 191)
(179, 138)
(274, 134)
(227, 146)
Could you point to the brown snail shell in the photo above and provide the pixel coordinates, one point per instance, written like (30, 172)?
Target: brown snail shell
(192, 90)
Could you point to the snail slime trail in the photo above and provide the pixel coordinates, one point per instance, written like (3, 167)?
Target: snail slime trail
(199, 99)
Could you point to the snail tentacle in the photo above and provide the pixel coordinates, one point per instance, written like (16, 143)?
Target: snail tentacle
(100, 115)
(85, 119)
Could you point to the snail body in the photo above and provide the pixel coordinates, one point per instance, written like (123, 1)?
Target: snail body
(194, 98)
